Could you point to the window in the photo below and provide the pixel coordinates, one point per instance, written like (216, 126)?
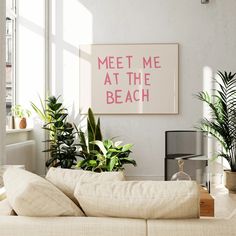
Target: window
(10, 53)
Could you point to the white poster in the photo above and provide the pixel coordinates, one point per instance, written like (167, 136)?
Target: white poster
(129, 79)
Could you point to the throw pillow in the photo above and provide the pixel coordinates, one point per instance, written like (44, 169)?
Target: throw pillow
(32, 195)
(139, 199)
(66, 179)
(6, 209)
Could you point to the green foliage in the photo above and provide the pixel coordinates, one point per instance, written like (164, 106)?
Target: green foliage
(62, 148)
(222, 125)
(109, 157)
(86, 139)
(98, 155)
(20, 112)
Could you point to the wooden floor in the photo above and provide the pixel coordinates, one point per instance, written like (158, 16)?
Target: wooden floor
(225, 202)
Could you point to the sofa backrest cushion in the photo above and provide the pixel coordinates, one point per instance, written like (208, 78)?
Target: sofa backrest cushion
(66, 179)
(140, 199)
(32, 195)
(6, 209)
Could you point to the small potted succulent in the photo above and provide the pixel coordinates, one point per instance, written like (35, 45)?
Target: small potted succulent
(20, 116)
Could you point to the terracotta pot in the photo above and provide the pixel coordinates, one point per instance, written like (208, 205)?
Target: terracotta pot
(23, 123)
(230, 180)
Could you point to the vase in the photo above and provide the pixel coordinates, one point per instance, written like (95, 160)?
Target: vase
(23, 123)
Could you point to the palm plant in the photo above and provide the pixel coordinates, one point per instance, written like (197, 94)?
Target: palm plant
(222, 125)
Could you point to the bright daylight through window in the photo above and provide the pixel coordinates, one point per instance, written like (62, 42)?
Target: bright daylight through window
(10, 55)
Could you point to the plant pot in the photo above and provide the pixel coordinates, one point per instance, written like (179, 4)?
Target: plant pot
(20, 123)
(23, 123)
(230, 180)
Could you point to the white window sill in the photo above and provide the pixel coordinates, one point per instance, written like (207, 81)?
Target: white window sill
(12, 131)
(18, 135)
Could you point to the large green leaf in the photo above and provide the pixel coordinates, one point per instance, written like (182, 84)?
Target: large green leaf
(113, 162)
(101, 146)
(126, 147)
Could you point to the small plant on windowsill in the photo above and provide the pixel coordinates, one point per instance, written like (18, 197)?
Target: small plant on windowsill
(20, 114)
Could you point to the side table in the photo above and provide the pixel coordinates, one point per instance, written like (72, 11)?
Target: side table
(207, 203)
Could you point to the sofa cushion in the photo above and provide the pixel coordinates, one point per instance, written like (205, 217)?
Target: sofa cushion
(66, 179)
(139, 199)
(31, 195)
(71, 226)
(6, 209)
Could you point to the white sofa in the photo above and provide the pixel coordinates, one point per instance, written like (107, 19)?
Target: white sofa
(107, 226)
(100, 222)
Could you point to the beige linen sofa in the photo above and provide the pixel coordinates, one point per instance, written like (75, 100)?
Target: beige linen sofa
(112, 207)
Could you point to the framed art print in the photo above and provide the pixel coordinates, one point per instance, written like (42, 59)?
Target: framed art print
(129, 79)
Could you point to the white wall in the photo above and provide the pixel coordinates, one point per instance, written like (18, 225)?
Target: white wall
(2, 80)
(207, 41)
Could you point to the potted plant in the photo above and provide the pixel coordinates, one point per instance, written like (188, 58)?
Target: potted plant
(20, 116)
(61, 140)
(86, 138)
(98, 155)
(222, 124)
(112, 156)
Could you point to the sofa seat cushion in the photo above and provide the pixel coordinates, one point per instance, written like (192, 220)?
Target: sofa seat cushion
(73, 226)
(66, 179)
(32, 195)
(191, 227)
(140, 199)
(6, 209)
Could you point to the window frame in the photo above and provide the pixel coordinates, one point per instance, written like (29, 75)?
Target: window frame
(11, 15)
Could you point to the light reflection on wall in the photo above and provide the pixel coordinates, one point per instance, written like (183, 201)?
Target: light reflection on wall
(71, 26)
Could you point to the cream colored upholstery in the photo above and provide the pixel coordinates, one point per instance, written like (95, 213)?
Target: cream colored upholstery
(2, 193)
(66, 179)
(71, 226)
(31, 195)
(6, 209)
(188, 227)
(97, 226)
(139, 199)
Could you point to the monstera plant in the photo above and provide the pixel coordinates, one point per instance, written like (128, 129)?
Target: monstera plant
(222, 124)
